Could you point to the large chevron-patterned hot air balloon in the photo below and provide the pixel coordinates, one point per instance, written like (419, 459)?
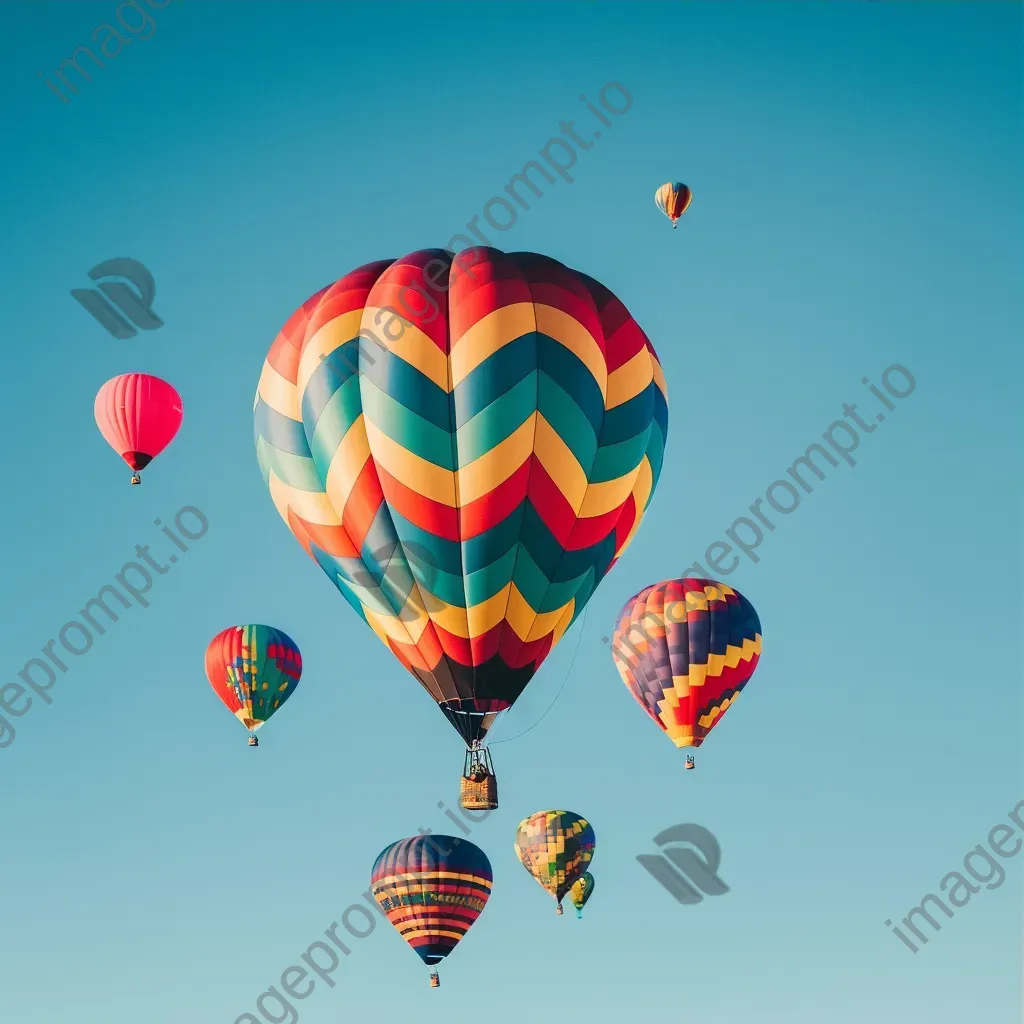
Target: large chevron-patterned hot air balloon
(465, 445)
(686, 648)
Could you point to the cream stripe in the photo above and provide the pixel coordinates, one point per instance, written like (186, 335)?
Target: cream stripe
(603, 497)
(313, 506)
(493, 468)
(412, 345)
(424, 477)
(347, 463)
(569, 332)
(641, 492)
(279, 393)
(330, 336)
(490, 333)
(629, 379)
(526, 622)
(560, 464)
(659, 377)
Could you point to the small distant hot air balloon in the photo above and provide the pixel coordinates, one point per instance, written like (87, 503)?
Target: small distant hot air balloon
(253, 669)
(138, 416)
(581, 891)
(432, 888)
(685, 648)
(672, 199)
(555, 847)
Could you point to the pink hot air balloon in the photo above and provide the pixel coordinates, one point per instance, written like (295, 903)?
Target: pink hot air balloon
(138, 415)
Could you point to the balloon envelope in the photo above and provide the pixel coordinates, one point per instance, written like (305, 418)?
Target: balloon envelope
(253, 669)
(581, 891)
(555, 847)
(686, 648)
(431, 896)
(466, 472)
(138, 416)
(672, 199)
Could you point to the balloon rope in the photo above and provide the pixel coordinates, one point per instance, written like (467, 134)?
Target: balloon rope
(560, 689)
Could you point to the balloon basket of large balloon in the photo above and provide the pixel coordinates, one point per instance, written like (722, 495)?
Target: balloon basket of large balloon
(136, 479)
(479, 786)
(558, 909)
(690, 765)
(479, 795)
(435, 981)
(254, 741)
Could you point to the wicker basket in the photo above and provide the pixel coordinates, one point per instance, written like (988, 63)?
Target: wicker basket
(479, 796)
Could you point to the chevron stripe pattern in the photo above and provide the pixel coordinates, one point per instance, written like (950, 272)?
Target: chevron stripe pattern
(686, 648)
(555, 847)
(465, 448)
(432, 897)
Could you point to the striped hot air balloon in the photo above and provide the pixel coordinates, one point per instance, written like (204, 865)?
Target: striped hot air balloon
(672, 199)
(465, 448)
(432, 889)
(686, 648)
(253, 669)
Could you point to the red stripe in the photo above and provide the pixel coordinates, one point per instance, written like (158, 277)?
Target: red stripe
(412, 295)
(363, 503)
(496, 506)
(435, 517)
(485, 647)
(557, 514)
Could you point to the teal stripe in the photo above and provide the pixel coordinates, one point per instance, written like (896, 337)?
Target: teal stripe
(339, 413)
(294, 470)
(498, 421)
(406, 428)
(483, 584)
(656, 456)
(541, 594)
(569, 421)
(616, 460)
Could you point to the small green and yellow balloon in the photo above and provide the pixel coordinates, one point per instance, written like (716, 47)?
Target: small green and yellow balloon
(581, 891)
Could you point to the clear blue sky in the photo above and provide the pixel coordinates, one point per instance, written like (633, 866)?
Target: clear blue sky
(857, 174)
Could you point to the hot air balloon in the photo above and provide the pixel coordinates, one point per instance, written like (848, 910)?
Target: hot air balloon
(138, 416)
(673, 199)
(465, 445)
(253, 670)
(581, 891)
(432, 888)
(555, 847)
(685, 648)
